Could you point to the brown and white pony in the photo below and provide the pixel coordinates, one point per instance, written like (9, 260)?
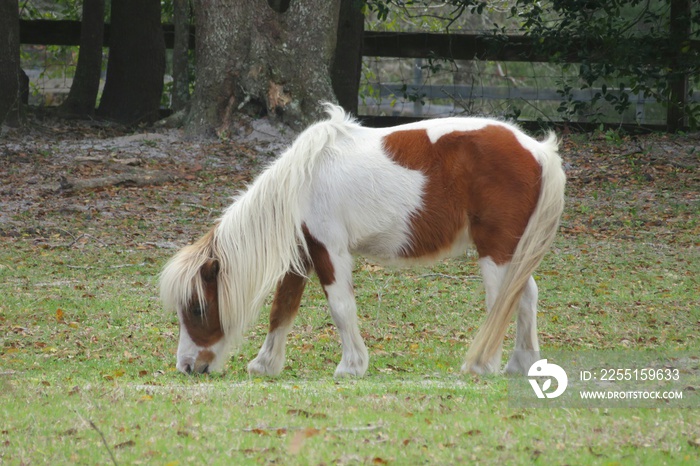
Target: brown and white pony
(411, 193)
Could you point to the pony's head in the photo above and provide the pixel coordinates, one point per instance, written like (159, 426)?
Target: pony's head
(189, 285)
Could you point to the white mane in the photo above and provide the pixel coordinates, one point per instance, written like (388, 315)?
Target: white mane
(259, 237)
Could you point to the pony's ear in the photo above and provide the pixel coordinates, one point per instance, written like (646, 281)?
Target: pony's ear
(210, 270)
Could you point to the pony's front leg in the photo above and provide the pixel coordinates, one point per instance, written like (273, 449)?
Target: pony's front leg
(341, 300)
(285, 305)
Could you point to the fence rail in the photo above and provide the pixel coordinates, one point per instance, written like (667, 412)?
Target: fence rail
(65, 32)
(375, 44)
(460, 94)
(506, 93)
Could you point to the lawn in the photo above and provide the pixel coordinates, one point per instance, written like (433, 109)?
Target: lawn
(87, 356)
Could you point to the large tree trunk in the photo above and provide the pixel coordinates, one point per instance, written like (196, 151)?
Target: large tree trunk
(136, 63)
(181, 82)
(255, 59)
(10, 102)
(347, 63)
(86, 83)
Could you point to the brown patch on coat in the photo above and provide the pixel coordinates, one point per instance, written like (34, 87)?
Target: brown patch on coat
(320, 258)
(202, 320)
(205, 356)
(285, 304)
(204, 359)
(287, 299)
(484, 180)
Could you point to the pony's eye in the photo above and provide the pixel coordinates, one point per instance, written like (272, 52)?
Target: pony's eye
(197, 311)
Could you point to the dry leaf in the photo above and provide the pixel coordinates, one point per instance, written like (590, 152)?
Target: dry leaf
(128, 443)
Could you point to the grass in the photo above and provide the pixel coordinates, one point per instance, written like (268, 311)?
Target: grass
(87, 358)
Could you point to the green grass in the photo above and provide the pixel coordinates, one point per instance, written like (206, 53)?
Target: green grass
(87, 357)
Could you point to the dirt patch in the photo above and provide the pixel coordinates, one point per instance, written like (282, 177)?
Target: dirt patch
(200, 176)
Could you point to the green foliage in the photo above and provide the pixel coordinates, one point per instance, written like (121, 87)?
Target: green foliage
(641, 52)
(59, 9)
(383, 8)
(622, 47)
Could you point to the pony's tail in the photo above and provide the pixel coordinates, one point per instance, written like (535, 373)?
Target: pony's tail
(534, 243)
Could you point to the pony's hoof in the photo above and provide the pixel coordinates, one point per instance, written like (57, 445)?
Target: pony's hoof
(257, 367)
(349, 370)
(478, 369)
(521, 361)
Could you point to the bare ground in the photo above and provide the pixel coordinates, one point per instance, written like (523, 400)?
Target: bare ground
(74, 182)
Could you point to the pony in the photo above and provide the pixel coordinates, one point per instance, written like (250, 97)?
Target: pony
(418, 192)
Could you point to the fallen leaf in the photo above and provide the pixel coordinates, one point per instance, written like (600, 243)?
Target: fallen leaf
(128, 443)
(310, 432)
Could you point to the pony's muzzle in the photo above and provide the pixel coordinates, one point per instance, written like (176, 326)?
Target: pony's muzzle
(196, 368)
(200, 365)
(185, 367)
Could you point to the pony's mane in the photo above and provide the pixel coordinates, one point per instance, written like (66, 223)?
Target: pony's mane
(259, 237)
(181, 277)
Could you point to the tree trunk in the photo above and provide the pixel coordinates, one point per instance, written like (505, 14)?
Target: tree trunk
(181, 82)
(10, 102)
(86, 83)
(347, 64)
(136, 63)
(260, 61)
(680, 25)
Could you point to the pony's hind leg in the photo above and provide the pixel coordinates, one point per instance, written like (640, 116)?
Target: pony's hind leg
(285, 305)
(492, 275)
(341, 300)
(527, 348)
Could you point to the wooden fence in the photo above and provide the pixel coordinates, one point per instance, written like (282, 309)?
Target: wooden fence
(402, 45)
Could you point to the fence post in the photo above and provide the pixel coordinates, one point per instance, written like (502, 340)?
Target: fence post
(418, 83)
(678, 81)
